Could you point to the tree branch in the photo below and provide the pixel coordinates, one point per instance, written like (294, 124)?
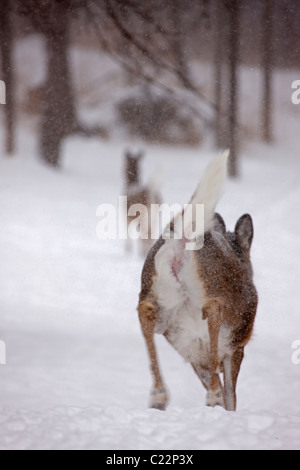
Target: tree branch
(152, 59)
(140, 72)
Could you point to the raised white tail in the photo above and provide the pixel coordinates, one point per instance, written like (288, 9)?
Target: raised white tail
(208, 193)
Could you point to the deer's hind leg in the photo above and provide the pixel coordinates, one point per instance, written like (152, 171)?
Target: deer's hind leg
(203, 375)
(147, 315)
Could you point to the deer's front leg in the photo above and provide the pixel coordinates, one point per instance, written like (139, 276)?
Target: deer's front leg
(147, 316)
(212, 312)
(232, 366)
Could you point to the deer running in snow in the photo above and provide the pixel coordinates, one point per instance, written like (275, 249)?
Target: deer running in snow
(204, 301)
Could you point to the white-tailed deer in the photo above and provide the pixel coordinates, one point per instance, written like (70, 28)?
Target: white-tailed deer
(146, 196)
(204, 302)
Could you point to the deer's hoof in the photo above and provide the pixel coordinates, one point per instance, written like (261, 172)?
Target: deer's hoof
(158, 406)
(159, 399)
(215, 398)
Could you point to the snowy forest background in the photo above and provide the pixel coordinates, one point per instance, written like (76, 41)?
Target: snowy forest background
(179, 79)
(156, 51)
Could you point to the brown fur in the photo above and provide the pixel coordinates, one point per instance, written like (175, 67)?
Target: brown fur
(229, 279)
(132, 169)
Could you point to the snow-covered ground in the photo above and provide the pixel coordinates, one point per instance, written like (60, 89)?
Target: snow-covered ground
(77, 374)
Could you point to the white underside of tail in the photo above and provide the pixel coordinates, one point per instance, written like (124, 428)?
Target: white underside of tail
(191, 225)
(209, 191)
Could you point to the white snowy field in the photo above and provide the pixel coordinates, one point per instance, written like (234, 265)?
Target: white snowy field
(77, 373)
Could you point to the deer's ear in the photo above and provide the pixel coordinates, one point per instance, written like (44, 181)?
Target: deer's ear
(219, 224)
(244, 232)
(140, 155)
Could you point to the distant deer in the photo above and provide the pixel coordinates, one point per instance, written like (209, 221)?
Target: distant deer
(204, 302)
(137, 193)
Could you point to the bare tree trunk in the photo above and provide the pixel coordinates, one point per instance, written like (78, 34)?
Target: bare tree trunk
(58, 113)
(267, 130)
(219, 69)
(179, 38)
(7, 73)
(234, 36)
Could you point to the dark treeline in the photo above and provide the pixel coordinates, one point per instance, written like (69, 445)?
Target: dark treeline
(154, 42)
(198, 21)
